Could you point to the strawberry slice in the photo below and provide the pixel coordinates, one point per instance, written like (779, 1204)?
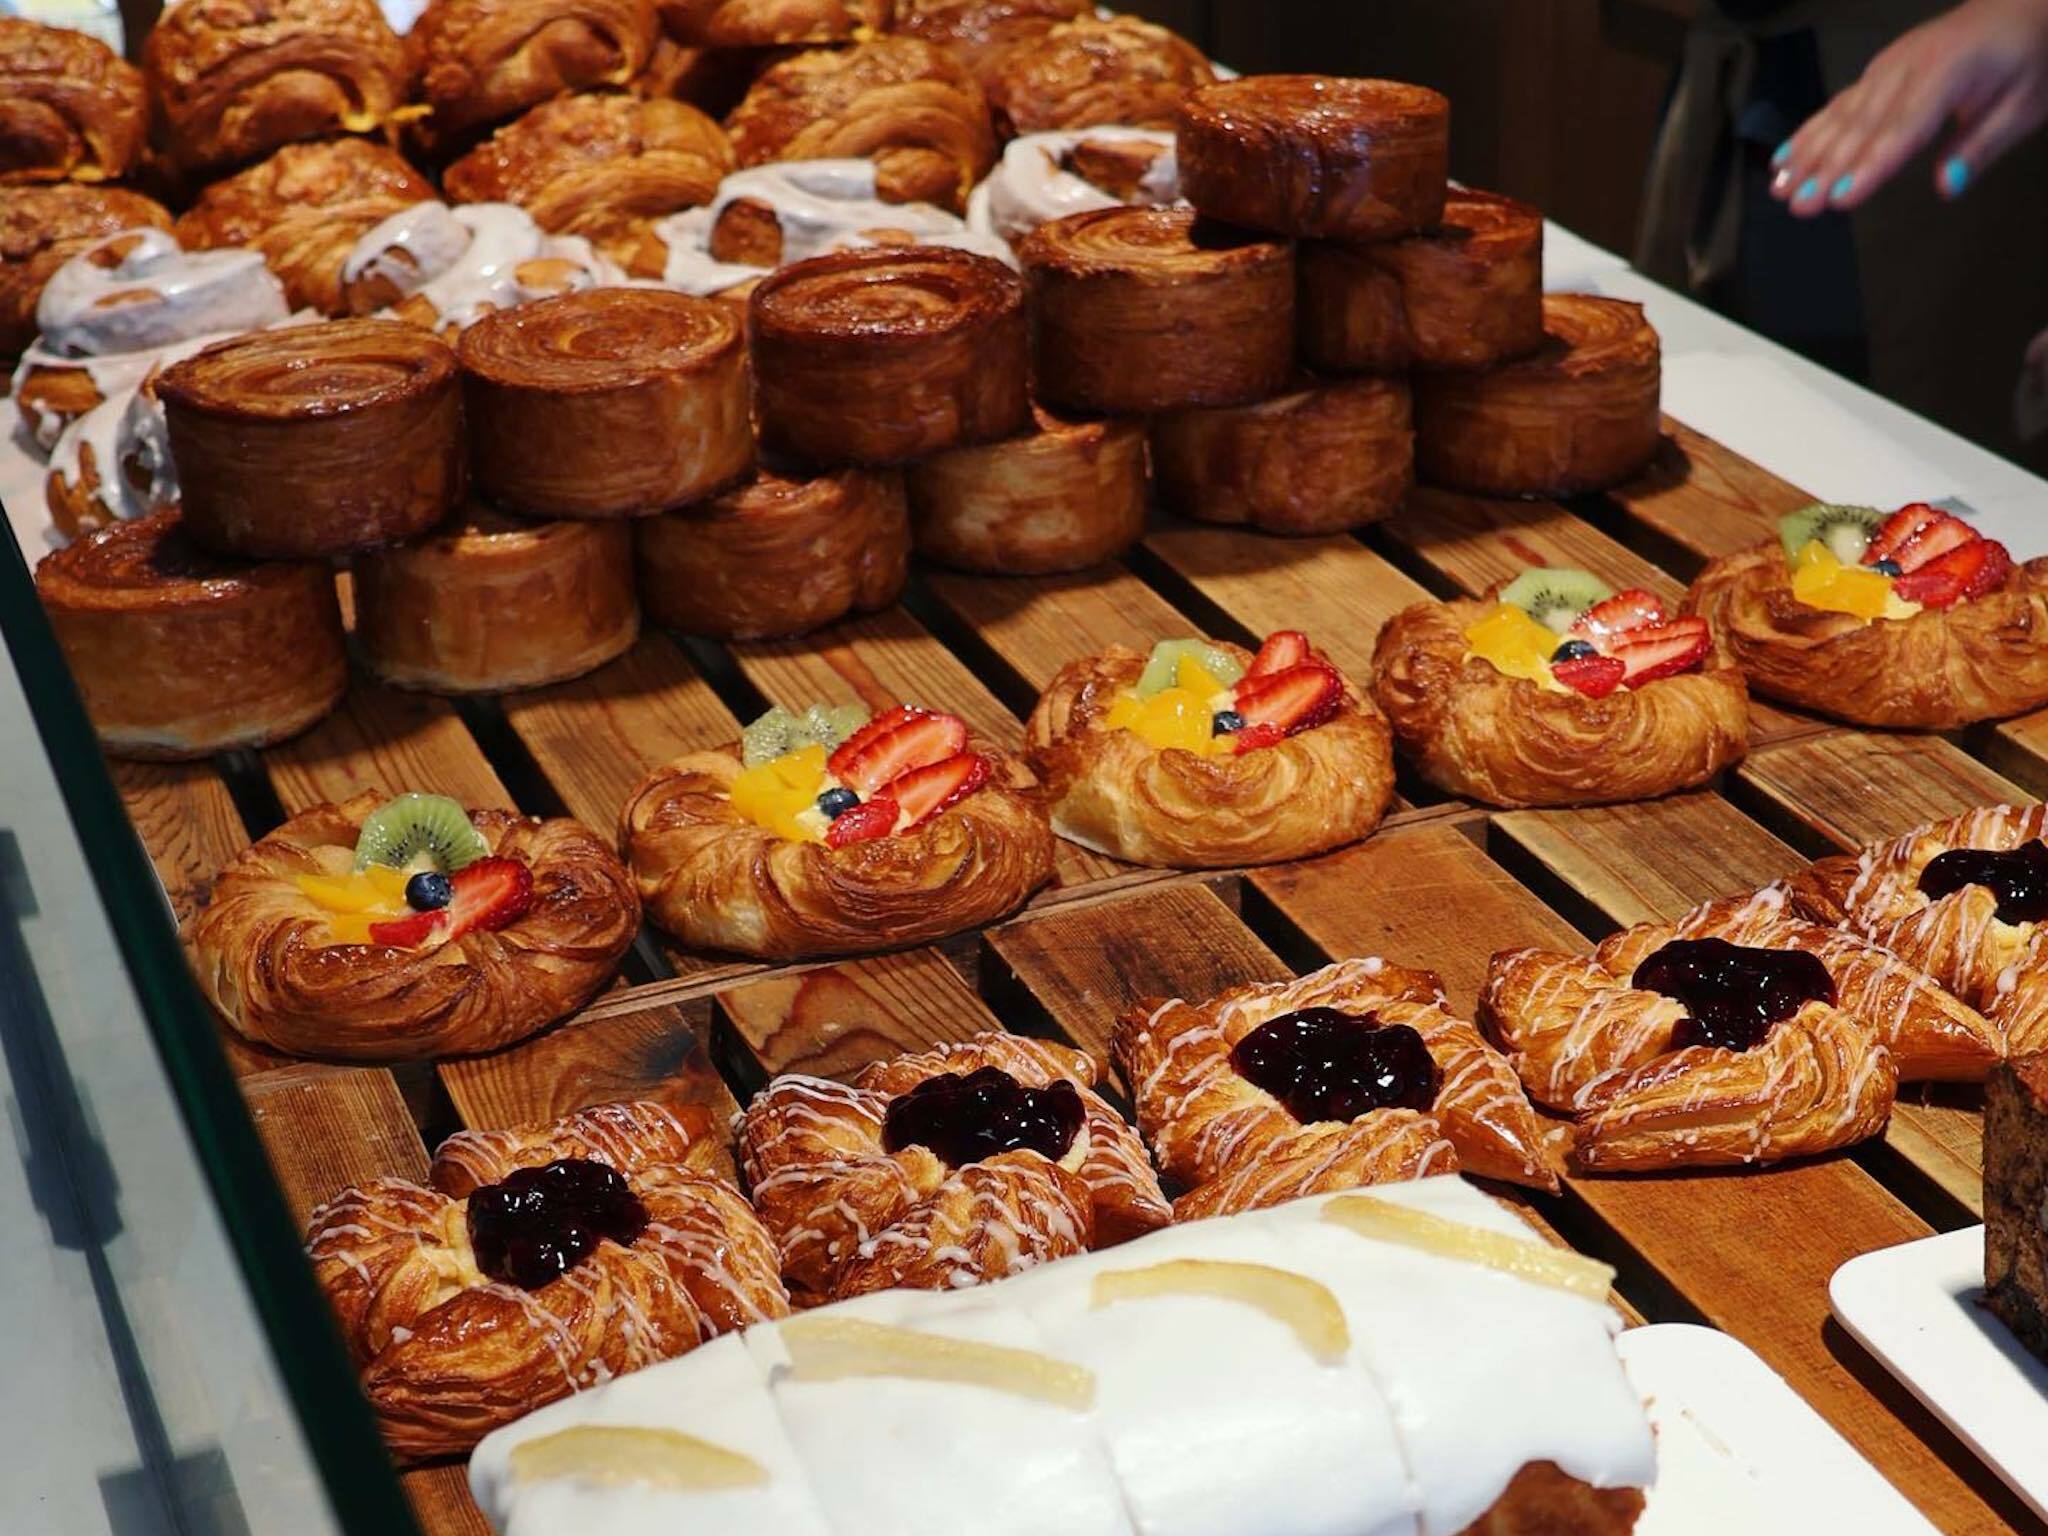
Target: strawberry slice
(1253, 737)
(924, 792)
(1283, 651)
(488, 894)
(1966, 571)
(1294, 700)
(908, 738)
(1594, 676)
(1619, 615)
(408, 932)
(870, 819)
(1898, 531)
(1649, 654)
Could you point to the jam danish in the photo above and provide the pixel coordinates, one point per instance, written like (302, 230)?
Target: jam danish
(1091, 71)
(482, 61)
(71, 109)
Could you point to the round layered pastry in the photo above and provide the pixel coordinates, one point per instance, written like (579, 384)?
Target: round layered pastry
(1910, 618)
(778, 556)
(1046, 176)
(71, 109)
(770, 23)
(1137, 310)
(1065, 495)
(315, 439)
(1578, 414)
(41, 228)
(407, 928)
(1329, 159)
(832, 833)
(1466, 294)
(179, 654)
(482, 61)
(976, 32)
(883, 356)
(1091, 71)
(613, 402)
(1554, 689)
(1321, 458)
(1206, 756)
(494, 604)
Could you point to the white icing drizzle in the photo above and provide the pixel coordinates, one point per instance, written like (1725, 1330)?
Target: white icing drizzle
(154, 294)
(466, 261)
(1031, 185)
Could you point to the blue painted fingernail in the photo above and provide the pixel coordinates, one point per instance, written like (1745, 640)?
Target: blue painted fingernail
(1809, 189)
(1956, 176)
(1783, 153)
(1842, 188)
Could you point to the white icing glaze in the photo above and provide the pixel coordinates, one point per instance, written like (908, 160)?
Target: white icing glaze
(154, 294)
(1030, 185)
(465, 261)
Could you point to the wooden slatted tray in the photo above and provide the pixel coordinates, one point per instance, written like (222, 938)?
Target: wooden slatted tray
(1442, 885)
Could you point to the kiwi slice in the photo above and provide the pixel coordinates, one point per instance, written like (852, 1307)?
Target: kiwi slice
(412, 827)
(1555, 596)
(830, 726)
(779, 732)
(769, 737)
(1844, 531)
(1164, 665)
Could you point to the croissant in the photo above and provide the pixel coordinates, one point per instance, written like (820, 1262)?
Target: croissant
(543, 1261)
(1046, 176)
(268, 962)
(482, 61)
(41, 228)
(603, 167)
(1252, 1122)
(770, 23)
(235, 79)
(895, 100)
(864, 1190)
(976, 32)
(1477, 732)
(1111, 791)
(1982, 659)
(1091, 71)
(71, 109)
(710, 79)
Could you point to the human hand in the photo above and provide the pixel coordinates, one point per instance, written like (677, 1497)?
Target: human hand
(1983, 67)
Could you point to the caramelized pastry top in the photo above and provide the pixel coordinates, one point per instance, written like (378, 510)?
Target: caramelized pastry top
(603, 339)
(1167, 245)
(481, 61)
(1089, 72)
(1344, 116)
(889, 291)
(148, 560)
(70, 107)
(309, 370)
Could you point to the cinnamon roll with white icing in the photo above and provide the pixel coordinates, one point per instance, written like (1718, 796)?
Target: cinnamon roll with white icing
(446, 268)
(1046, 176)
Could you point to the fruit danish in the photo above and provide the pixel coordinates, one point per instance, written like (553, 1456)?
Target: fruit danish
(1206, 756)
(1556, 690)
(1908, 619)
(400, 929)
(1091, 71)
(770, 23)
(1046, 176)
(1356, 1074)
(536, 1263)
(831, 833)
(71, 109)
(1965, 900)
(41, 228)
(1708, 1053)
(482, 61)
(964, 1163)
(977, 31)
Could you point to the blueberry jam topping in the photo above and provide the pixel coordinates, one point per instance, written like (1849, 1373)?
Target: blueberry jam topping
(963, 1118)
(1732, 994)
(1325, 1064)
(540, 1223)
(2019, 879)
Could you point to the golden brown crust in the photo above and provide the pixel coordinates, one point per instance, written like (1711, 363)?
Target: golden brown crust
(778, 556)
(1312, 155)
(315, 439)
(603, 167)
(885, 355)
(711, 79)
(717, 881)
(482, 61)
(71, 109)
(1579, 414)
(492, 604)
(1110, 791)
(1544, 1500)
(770, 23)
(1090, 71)
(897, 101)
(178, 654)
(1321, 458)
(1467, 294)
(1138, 310)
(235, 79)
(264, 958)
(1985, 659)
(1065, 495)
(1473, 731)
(976, 32)
(41, 228)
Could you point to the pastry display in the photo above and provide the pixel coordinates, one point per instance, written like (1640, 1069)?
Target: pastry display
(2015, 1194)
(41, 228)
(445, 268)
(610, 403)
(233, 81)
(1065, 495)
(830, 833)
(483, 61)
(407, 928)
(1322, 1358)
(1137, 310)
(1046, 176)
(315, 439)
(1578, 414)
(1910, 618)
(1554, 689)
(71, 109)
(537, 1263)
(1310, 155)
(977, 31)
(779, 555)
(1206, 756)
(898, 101)
(1091, 71)
(1358, 1074)
(882, 356)
(770, 23)
(959, 1165)
(1465, 294)
(603, 167)
(494, 604)
(1323, 457)
(179, 654)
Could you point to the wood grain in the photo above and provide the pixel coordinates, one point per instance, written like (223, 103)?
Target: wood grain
(389, 741)
(1701, 499)
(834, 1020)
(1849, 788)
(1035, 625)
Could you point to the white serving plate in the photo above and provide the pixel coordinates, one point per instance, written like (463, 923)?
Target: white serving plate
(1915, 1308)
(1738, 1450)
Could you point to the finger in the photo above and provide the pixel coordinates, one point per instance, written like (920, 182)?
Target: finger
(1796, 181)
(1864, 161)
(1980, 144)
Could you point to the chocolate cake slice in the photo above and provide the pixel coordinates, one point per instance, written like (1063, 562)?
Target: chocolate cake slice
(2016, 1198)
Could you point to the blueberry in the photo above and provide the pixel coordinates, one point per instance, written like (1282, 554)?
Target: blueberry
(428, 891)
(1572, 650)
(837, 801)
(1226, 721)
(1887, 568)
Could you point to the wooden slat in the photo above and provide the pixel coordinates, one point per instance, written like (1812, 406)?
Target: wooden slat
(1852, 787)
(2018, 749)
(834, 1020)
(1700, 498)
(389, 741)
(1037, 624)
